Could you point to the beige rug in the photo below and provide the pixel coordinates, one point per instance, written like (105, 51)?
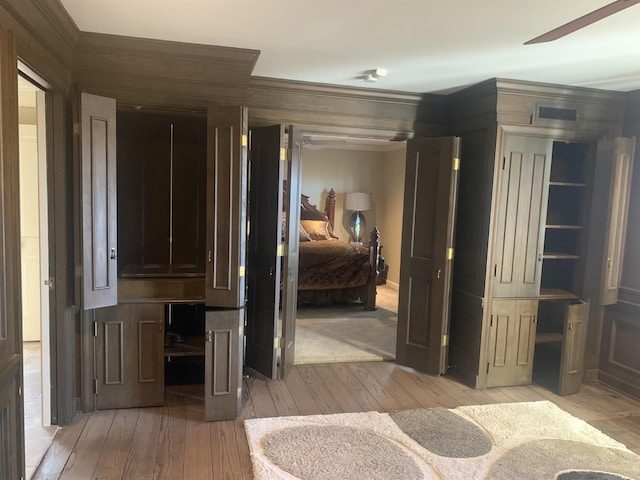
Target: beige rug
(348, 333)
(531, 440)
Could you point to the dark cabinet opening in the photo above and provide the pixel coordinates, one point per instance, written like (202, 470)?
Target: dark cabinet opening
(184, 344)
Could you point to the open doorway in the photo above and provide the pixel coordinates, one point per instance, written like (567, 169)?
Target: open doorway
(343, 331)
(34, 255)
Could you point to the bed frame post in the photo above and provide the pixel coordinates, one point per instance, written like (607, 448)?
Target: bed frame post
(330, 207)
(374, 254)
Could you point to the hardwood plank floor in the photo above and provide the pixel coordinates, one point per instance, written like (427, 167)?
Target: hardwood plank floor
(172, 443)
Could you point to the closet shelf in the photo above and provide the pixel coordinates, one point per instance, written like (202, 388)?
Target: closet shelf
(556, 294)
(559, 255)
(548, 337)
(564, 227)
(568, 184)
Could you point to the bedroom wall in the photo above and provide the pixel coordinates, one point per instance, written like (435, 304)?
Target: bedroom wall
(380, 173)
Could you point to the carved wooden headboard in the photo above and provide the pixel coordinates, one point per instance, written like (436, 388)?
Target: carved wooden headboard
(329, 206)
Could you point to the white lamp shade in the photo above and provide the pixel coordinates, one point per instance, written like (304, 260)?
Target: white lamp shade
(357, 201)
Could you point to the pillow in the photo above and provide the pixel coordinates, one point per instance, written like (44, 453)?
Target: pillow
(317, 229)
(303, 235)
(312, 215)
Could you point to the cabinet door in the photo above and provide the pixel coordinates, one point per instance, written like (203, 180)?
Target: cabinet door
(223, 364)
(520, 216)
(573, 344)
(512, 333)
(226, 206)
(99, 214)
(608, 222)
(129, 356)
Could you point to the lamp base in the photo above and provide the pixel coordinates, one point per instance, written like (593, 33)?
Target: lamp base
(357, 226)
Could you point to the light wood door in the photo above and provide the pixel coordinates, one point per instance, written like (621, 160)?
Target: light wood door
(11, 364)
(608, 221)
(129, 346)
(426, 263)
(266, 240)
(521, 215)
(226, 206)
(99, 209)
(223, 364)
(511, 342)
(289, 311)
(573, 345)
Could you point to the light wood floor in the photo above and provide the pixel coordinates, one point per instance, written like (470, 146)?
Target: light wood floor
(171, 442)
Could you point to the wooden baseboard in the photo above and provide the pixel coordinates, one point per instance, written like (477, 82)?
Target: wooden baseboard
(618, 384)
(591, 375)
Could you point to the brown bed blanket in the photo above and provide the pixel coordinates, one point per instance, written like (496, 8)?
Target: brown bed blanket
(332, 264)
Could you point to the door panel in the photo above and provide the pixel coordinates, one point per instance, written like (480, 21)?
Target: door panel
(265, 234)
(512, 333)
(521, 216)
(290, 260)
(608, 223)
(129, 356)
(99, 211)
(226, 206)
(573, 345)
(223, 364)
(427, 253)
(11, 364)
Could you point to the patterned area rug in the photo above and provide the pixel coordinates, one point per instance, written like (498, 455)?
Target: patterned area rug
(531, 440)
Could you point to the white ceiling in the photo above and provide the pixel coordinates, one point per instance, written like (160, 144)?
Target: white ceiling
(426, 46)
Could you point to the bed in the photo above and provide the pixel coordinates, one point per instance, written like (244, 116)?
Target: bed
(331, 270)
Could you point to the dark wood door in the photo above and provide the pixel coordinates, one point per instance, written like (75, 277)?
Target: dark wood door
(573, 344)
(129, 355)
(521, 216)
(266, 241)
(11, 401)
(99, 210)
(226, 225)
(426, 264)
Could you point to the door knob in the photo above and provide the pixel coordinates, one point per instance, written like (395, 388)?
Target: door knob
(113, 254)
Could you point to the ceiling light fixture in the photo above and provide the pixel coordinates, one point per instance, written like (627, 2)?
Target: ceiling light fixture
(372, 76)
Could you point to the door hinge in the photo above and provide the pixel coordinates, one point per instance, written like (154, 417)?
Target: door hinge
(488, 364)
(95, 386)
(495, 270)
(450, 254)
(491, 321)
(504, 163)
(239, 392)
(240, 331)
(209, 336)
(281, 251)
(79, 270)
(241, 271)
(245, 140)
(456, 164)
(20, 391)
(445, 340)
(278, 342)
(50, 282)
(95, 329)
(76, 128)
(283, 154)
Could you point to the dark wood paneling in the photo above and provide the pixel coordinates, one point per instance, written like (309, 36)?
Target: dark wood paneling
(619, 359)
(169, 74)
(466, 337)
(358, 110)
(45, 37)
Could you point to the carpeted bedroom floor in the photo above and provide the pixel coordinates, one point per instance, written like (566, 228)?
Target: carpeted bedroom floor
(348, 333)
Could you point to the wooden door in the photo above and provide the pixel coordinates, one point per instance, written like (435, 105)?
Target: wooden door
(11, 401)
(289, 311)
(512, 334)
(521, 216)
(223, 364)
(608, 221)
(129, 346)
(99, 210)
(226, 206)
(266, 241)
(573, 345)
(426, 262)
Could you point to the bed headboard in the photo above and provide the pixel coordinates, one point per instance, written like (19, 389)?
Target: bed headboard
(329, 206)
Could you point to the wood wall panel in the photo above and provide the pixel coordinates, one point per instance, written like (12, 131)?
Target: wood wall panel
(358, 111)
(159, 73)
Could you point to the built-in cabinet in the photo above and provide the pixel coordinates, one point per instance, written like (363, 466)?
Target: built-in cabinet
(554, 211)
(179, 316)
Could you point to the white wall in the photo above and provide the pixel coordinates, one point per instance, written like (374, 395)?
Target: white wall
(377, 172)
